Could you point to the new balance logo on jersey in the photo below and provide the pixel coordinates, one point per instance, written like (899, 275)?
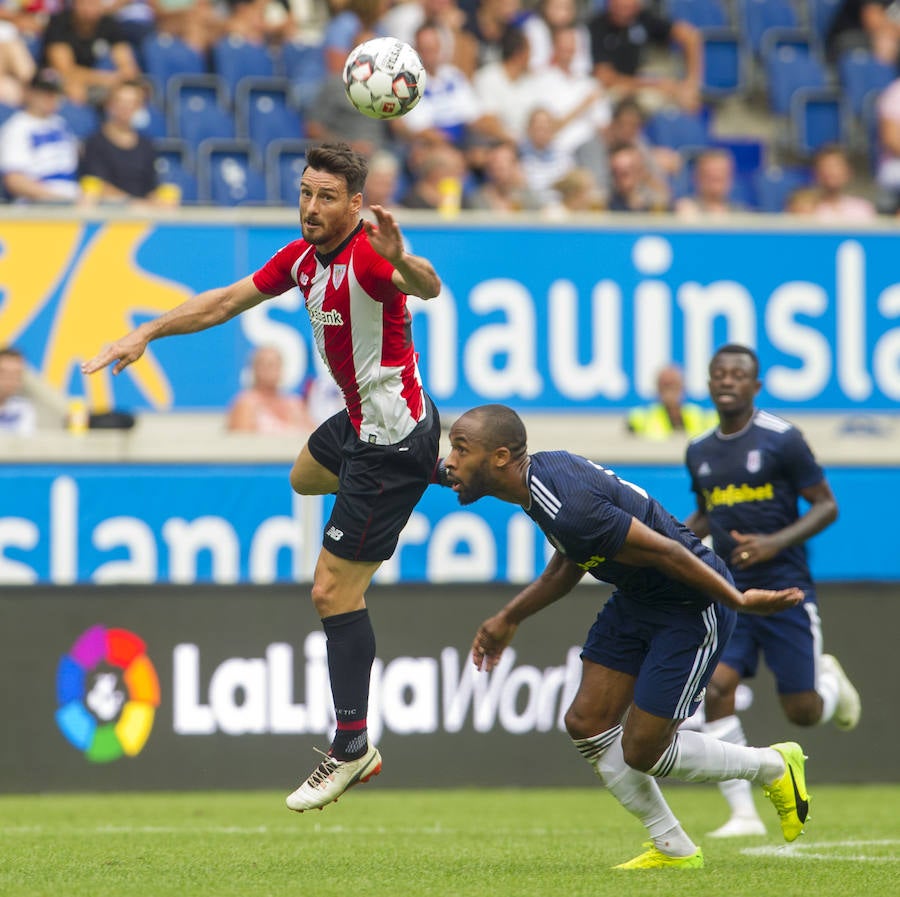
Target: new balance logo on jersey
(331, 318)
(304, 279)
(337, 275)
(334, 533)
(704, 470)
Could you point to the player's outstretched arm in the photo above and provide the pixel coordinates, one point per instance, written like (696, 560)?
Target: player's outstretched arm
(200, 312)
(558, 579)
(413, 274)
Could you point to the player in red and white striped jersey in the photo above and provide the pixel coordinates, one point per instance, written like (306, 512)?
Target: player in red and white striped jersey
(378, 456)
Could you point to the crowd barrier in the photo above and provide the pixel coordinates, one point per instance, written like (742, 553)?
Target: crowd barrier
(215, 687)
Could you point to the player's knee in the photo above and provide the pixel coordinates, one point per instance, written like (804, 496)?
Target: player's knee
(638, 754)
(806, 711)
(581, 723)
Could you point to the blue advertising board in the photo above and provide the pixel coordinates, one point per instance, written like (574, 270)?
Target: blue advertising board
(541, 318)
(240, 523)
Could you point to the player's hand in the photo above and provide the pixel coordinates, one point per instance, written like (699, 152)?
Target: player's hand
(755, 548)
(492, 637)
(125, 351)
(767, 601)
(384, 235)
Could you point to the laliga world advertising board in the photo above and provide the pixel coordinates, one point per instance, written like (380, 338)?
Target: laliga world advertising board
(211, 687)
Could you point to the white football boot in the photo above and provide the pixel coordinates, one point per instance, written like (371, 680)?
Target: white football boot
(331, 778)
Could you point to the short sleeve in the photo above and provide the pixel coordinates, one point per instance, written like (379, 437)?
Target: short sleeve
(800, 465)
(276, 275)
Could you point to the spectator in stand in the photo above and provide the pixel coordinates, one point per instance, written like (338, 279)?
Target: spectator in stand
(404, 19)
(38, 151)
(887, 175)
(869, 24)
(541, 26)
(627, 127)
(136, 18)
(578, 102)
(264, 407)
(118, 164)
(16, 65)
(670, 414)
(78, 41)
(505, 188)
(831, 176)
(543, 160)
(199, 23)
(713, 185)
(17, 414)
(481, 40)
(507, 89)
(631, 189)
(439, 178)
(578, 194)
(620, 35)
(382, 181)
(330, 118)
(450, 109)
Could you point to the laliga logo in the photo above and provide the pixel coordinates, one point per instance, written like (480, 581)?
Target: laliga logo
(108, 692)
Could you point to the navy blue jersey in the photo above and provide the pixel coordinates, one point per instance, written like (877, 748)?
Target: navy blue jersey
(586, 511)
(751, 482)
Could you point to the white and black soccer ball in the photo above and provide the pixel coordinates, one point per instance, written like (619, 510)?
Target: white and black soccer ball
(384, 77)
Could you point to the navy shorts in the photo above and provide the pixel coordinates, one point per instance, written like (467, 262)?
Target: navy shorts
(378, 485)
(671, 651)
(790, 642)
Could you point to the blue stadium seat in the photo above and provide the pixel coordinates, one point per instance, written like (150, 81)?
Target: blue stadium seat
(165, 56)
(817, 118)
(6, 111)
(859, 73)
(234, 58)
(303, 65)
(82, 118)
(798, 38)
(725, 62)
(756, 17)
(820, 14)
(264, 111)
(155, 126)
(774, 185)
(197, 109)
(676, 129)
(787, 71)
(868, 120)
(700, 13)
(285, 161)
(174, 165)
(229, 173)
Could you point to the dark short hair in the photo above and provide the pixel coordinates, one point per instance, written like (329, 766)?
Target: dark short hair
(342, 161)
(736, 349)
(512, 42)
(500, 426)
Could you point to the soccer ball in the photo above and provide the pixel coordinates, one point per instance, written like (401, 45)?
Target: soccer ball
(384, 77)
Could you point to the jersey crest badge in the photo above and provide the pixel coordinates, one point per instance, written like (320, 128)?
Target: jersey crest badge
(337, 275)
(754, 461)
(704, 470)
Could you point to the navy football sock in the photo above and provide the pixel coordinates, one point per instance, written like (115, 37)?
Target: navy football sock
(351, 650)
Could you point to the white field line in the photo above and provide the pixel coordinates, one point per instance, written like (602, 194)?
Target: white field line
(827, 850)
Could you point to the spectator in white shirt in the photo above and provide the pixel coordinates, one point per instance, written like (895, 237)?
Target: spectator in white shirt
(540, 26)
(507, 88)
(38, 151)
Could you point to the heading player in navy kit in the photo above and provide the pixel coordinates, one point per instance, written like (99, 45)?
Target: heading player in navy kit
(378, 455)
(654, 645)
(748, 476)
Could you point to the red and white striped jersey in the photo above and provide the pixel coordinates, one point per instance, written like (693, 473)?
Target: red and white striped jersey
(362, 330)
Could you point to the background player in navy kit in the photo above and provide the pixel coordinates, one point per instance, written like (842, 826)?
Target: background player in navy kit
(748, 476)
(655, 643)
(378, 455)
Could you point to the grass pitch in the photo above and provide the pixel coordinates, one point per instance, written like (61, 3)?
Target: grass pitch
(380, 843)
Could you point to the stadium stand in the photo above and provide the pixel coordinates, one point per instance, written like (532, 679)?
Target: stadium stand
(234, 58)
(264, 111)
